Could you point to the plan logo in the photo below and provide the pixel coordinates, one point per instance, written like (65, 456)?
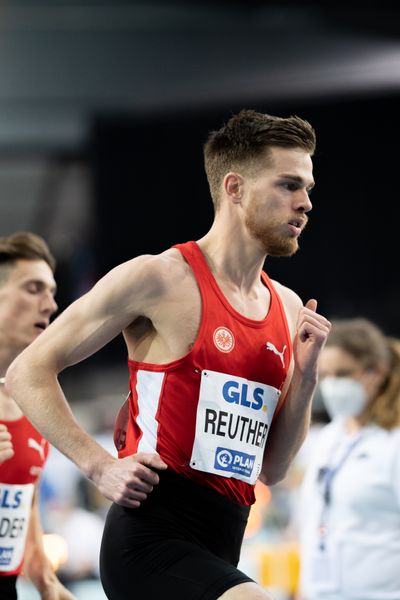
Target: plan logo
(5, 556)
(224, 458)
(223, 339)
(234, 461)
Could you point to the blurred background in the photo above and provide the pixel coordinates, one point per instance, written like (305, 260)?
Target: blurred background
(104, 108)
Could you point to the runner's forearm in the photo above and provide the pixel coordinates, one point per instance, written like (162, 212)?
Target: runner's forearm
(289, 429)
(42, 400)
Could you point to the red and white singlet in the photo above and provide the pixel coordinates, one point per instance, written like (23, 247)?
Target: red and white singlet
(17, 478)
(208, 413)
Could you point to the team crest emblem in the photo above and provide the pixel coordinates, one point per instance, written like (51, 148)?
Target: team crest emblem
(223, 339)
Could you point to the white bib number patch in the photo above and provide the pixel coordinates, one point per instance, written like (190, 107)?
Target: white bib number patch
(232, 424)
(15, 508)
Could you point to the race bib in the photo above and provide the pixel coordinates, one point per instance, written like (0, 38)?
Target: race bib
(15, 508)
(232, 424)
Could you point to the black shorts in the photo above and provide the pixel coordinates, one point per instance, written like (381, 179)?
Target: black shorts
(8, 587)
(183, 542)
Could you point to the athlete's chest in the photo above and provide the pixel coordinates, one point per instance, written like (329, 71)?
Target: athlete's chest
(189, 307)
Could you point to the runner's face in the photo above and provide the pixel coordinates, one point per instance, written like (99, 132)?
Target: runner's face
(278, 201)
(26, 303)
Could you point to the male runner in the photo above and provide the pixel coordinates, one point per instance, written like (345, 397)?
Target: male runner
(27, 289)
(223, 366)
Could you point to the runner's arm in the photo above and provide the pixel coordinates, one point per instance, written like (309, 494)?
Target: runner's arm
(129, 290)
(292, 422)
(36, 564)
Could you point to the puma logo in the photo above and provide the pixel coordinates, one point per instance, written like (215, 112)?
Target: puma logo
(39, 447)
(270, 346)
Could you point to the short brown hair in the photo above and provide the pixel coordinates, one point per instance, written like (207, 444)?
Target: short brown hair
(23, 245)
(246, 138)
(367, 344)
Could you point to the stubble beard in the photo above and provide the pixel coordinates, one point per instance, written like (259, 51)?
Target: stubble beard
(268, 235)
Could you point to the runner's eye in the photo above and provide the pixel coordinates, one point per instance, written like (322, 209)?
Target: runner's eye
(32, 288)
(291, 186)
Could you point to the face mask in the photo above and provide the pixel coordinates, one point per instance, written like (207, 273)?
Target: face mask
(342, 396)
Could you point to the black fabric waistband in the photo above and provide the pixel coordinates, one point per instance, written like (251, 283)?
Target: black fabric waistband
(188, 489)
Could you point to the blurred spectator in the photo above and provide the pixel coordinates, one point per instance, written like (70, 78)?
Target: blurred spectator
(82, 530)
(73, 508)
(350, 500)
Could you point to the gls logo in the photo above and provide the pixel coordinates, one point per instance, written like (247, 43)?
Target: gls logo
(9, 499)
(237, 393)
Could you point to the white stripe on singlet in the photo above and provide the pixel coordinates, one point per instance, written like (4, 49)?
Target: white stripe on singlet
(148, 388)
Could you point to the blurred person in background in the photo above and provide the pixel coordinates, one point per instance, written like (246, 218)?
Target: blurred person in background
(82, 530)
(210, 339)
(349, 513)
(27, 289)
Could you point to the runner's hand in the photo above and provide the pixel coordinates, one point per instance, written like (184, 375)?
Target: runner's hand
(56, 591)
(312, 332)
(6, 446)
(127, 481)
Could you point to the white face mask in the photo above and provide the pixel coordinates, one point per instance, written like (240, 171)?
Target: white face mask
(343, 396)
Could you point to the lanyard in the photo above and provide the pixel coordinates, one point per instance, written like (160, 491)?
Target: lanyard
(326, 475)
